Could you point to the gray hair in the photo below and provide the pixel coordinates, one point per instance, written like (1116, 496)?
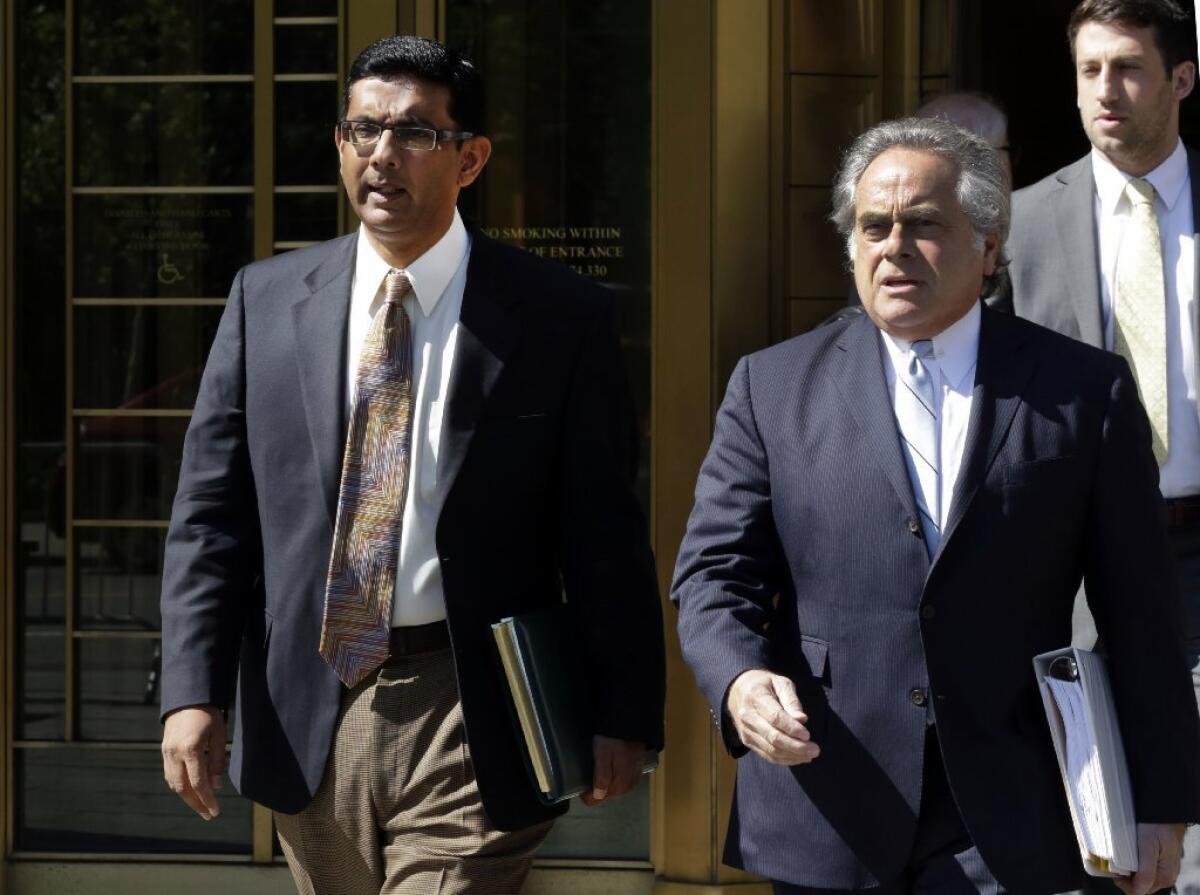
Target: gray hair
(977, 113)
(982, 184)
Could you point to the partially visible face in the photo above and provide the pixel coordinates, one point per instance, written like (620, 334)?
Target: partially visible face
(916, 262)
(406, 198)
(1128, 102)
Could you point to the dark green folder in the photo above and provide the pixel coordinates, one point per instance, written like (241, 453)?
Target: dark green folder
(551, 700)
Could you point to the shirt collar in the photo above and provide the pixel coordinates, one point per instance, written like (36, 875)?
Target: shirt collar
(1168, 179)
(955, 348)
(429, 275)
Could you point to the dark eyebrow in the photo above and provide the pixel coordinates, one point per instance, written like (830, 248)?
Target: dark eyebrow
(405, 120)
(874, 218)
(920, 214)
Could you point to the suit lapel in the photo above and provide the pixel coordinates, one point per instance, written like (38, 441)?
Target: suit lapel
(864, 390)
(320, 317)
(1074, 217)
(487, 331)
(1001, 372)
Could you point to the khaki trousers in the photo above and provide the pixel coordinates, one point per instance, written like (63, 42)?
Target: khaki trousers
(398, 811)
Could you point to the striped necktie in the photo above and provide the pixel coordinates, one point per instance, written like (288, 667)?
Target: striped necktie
(917, 417)
(366, 539)
(1140, 310)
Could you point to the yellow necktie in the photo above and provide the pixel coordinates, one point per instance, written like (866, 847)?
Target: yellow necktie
(1140, 326)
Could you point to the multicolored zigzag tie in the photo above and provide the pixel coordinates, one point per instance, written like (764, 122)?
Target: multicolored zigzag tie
(366, 537)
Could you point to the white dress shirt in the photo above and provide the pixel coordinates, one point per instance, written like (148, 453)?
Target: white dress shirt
(438, 278)
(955, 353)
(1180, 475)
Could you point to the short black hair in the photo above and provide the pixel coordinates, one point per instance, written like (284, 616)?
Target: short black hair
(406, 56)
(1174, 33)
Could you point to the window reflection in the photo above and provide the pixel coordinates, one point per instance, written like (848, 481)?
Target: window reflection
(570, 181)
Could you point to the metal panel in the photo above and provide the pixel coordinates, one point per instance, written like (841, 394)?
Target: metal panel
(818, 255)
(826, 114)
(843, 38)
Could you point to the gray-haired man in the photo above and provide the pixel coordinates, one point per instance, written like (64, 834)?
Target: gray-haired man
(877, 552)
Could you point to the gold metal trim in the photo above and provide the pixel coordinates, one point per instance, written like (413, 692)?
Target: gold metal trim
(307, 20)
(305, 78)
(590, 864)
(116, 634)
(90, 745)
(307, 188)
(132, 411)
(70, 707)
(129, 858)
(427, 19)
(264, 235)
(683, 826)
(263, 850)
(598, 864)
(147, 302)
(264, 114)
(163, 79)
(162, 191)
(288, 245)
(120, 523)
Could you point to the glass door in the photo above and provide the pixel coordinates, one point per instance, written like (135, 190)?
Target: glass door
(568, 92)
(160, 146)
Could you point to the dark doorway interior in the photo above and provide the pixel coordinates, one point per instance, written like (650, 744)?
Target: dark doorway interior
(1017, 52)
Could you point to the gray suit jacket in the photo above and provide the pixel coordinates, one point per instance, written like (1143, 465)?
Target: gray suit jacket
(1055, 269)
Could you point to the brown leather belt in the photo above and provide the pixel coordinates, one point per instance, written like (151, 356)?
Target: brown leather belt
(412, 640)
(1182, 512)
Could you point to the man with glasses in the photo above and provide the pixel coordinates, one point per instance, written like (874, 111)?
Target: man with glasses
(403, 436)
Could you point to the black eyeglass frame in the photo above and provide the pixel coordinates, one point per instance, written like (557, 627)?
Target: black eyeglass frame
(345, 127)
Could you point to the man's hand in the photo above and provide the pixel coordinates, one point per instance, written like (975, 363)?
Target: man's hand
(618, 768)
(193, 750)
(1160, 849)
(769, 719)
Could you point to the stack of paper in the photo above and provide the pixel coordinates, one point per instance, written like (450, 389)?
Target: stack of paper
(1083, 724)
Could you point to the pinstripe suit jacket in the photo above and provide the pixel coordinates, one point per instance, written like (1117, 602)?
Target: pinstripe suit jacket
(537, 458)
(802, 556)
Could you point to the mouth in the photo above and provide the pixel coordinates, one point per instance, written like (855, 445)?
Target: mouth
(1110, 119)
(385, 192)
(898, 285)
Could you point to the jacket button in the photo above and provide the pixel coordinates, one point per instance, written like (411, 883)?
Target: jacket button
(928, 612)
(914, 526)
(917, 696)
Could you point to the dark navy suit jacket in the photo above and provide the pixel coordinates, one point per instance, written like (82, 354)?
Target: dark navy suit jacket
(803, 556)
(537, 461)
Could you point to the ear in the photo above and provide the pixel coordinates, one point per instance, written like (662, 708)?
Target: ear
(475, 153)
(991, 254)
(337, 137)
(1183, 79)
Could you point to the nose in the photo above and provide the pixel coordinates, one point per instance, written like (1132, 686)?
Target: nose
(895, 244)
(384, 153)
(1106, 84)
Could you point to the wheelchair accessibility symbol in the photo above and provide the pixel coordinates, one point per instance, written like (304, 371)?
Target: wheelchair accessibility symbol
(168, 273)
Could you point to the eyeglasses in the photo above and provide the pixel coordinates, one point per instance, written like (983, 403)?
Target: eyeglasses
(367, 133)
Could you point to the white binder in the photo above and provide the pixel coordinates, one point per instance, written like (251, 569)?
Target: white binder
(1087, 740)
